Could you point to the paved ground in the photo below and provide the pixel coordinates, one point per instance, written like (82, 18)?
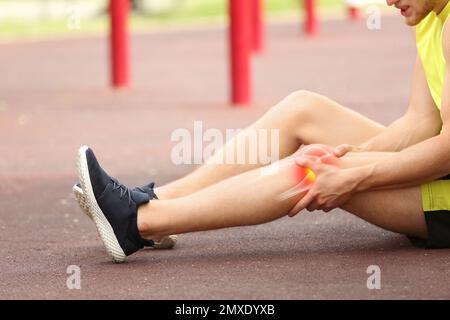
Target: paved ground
(53, 98)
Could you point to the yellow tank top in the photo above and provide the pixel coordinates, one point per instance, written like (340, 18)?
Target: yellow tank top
(429, 45)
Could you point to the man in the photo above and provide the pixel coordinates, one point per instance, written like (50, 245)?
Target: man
(388, 176)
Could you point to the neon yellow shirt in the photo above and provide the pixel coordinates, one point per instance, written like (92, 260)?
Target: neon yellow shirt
(430, 47)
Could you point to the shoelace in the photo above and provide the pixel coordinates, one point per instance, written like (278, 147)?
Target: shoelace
(124, 190)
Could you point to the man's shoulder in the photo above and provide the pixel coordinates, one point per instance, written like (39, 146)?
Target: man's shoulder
(446, 41)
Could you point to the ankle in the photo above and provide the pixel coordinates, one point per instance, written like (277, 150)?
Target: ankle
(146, 225)
(164, 193)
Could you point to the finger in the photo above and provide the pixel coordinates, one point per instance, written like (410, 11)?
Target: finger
(307, 162)
(303, 203)
(327, 159)
(294, 211)
(341, 150)
(309, 157)
(314, 205)
(297, 208)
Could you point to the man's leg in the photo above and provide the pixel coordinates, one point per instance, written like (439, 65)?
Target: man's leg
(252, 198)
(397, 210)
(302, 118)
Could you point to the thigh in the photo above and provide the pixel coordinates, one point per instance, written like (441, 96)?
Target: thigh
(328, 122)
(306, 117)
(397, 210)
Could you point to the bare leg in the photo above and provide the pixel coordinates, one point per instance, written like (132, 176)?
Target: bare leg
(301, 118)
(397, 210)
(231, 202)
(252, 198)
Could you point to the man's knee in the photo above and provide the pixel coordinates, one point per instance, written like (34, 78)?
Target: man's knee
(301, 95)
(300, 104)
(299, 110)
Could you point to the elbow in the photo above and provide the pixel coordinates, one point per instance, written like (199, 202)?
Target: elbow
(427, 125)
(444, 140)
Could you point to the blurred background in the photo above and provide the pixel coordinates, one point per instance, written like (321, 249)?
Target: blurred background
(25, 18)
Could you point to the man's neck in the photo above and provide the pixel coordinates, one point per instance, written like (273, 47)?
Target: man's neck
(440, 5)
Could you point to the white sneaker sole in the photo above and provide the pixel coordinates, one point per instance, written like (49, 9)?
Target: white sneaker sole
(166, 243)
(104, 228)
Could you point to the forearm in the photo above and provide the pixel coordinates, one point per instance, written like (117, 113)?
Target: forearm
(425, 161)
(402, 133)
(355, 160)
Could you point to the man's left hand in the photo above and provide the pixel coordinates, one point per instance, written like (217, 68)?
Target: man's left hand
(332, 187)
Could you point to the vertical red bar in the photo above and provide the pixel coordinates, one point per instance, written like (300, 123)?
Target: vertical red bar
(119, 42)
(257, 25)
(354, 13)
(311, 18)
(240, 37)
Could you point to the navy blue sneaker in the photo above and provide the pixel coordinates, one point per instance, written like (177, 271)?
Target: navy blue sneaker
(167, 242)
(113, 207)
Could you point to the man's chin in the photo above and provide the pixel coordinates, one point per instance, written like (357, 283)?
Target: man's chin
(412, 22)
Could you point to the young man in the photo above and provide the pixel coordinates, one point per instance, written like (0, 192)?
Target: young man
(388, 176)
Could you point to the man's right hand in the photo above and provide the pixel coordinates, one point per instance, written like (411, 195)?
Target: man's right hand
(343, 149)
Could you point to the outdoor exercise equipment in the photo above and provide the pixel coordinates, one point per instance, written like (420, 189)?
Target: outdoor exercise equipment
(240, 48)
(119, 52)
(310, 18)
(246, 36)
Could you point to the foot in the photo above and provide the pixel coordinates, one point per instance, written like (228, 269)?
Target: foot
(113, 207)
(165, 243)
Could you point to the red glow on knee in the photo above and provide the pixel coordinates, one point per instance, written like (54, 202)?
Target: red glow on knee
(302, 173)
(305, 176)
(318, 153)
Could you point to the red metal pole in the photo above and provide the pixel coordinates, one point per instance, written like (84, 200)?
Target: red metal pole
(257, 25)
(119, 42)
(311, 18)
(239, 37)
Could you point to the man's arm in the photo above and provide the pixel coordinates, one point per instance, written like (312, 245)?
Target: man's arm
(421, 121)
(424, 154)
(421, 162)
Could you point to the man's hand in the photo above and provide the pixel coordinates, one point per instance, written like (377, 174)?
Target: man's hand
(332, 187)
(343, 149)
